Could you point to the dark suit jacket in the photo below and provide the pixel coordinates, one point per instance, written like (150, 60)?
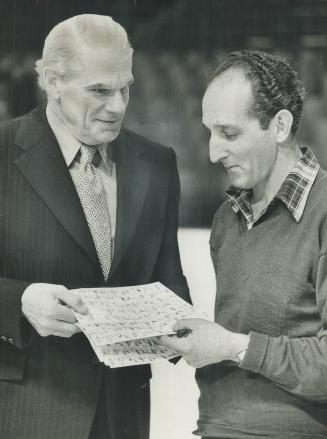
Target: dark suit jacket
(49, 386)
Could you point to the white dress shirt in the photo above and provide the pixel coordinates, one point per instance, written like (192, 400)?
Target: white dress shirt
(70, 147)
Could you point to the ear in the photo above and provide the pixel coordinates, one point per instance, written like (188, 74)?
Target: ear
(283, 123)
(52, 82)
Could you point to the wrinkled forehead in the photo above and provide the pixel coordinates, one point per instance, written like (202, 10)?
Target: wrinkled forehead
(108, 66)
(107, 59)
(111, 60)
(227, 94)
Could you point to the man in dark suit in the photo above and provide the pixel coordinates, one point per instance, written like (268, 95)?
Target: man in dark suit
(82, 204)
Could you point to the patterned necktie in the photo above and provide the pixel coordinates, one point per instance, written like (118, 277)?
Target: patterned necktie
(93, 199)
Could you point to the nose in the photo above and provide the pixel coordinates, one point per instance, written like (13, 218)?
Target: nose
(116, 103)
(217, 149)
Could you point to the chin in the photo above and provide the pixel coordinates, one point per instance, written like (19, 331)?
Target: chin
(241, 181)
(113, 133)
(107, 137)
(111, 138)
(241, 184)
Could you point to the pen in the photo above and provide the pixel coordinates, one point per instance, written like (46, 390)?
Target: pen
(183, 332)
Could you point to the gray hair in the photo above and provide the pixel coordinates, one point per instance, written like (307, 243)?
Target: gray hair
(66, 42)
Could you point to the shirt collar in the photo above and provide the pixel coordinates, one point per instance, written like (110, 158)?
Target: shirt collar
(69, 145)
(293, 193)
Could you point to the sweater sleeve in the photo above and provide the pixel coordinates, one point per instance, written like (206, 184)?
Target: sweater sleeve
(297, 365)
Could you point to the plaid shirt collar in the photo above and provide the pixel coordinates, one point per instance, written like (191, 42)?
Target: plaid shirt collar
(293, 193)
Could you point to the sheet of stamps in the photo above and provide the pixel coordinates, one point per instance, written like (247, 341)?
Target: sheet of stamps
(123, 324)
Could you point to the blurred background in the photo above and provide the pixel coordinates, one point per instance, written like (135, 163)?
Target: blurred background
(178, 43)
(177, 46)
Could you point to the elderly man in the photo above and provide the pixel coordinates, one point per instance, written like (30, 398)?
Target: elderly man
(263, 363)
(82, 204)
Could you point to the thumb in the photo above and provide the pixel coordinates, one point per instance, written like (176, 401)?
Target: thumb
(174, 343)
(187, 324)
(74, 302)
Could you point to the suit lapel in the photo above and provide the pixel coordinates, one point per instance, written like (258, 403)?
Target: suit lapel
(43, 166)
(133, 180)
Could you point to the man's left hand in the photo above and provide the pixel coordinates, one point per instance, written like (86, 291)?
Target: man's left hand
(206, 342)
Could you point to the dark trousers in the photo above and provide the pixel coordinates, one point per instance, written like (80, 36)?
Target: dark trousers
(100, 427)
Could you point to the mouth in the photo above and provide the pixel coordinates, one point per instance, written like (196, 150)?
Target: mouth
(110, 122)
(229, 167)
(111, 125)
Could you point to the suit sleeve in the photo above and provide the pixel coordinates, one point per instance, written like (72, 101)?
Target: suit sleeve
(15, 331)
(168, 269)
(13, 326)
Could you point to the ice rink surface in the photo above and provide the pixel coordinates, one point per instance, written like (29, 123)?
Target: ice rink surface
(174, 394)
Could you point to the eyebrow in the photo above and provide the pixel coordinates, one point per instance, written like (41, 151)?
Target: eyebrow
(221, 125)
(108, 86)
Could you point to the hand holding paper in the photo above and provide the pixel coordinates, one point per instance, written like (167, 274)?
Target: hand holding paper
(206, 343)
(49, 309)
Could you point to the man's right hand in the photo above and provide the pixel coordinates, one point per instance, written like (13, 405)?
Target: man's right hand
(48, 308)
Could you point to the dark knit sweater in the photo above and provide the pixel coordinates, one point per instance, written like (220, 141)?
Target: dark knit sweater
(271, 283)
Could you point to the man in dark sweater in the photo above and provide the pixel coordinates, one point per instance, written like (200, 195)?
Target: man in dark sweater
(263, 363)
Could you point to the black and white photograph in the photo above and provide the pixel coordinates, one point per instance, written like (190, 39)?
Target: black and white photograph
(163, 219)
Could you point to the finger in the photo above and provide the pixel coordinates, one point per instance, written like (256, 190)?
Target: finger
(62, 329)
(174, 343)
(167, 340)
(57, 328)
(72, 301)
(55, 287)
(64, 314)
